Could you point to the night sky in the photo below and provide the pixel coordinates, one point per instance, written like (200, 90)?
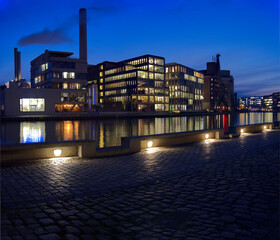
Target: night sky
(190, 32)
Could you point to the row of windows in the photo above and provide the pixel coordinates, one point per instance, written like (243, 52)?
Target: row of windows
(151, 99)
(71, 85)
(120, 77)
(42, 68)
(152, 60)
(156, 76)
(73, 97)
(45, 66)
(113, 92)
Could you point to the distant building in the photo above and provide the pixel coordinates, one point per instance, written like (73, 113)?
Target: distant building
(218, 92)
(136, 84)
(55, 70)
(267, 103)
(185, 87)
(276, 102)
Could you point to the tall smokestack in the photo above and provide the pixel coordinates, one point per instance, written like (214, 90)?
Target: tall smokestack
(17, 64)
(83, 33)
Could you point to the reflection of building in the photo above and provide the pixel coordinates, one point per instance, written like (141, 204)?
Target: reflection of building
(32, 132)
(56, 70)
(185, 87)
(136, 84)
(218, 92)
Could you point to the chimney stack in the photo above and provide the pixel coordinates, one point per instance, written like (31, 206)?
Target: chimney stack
(83, 33)
(17, 64)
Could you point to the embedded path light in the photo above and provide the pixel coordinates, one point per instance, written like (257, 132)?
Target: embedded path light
(57, 152)
(150, 144)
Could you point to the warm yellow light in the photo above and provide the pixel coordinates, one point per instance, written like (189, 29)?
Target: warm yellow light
(242, 130)
(206, 136)
(264, 127)
(150, 144)
(57, 152)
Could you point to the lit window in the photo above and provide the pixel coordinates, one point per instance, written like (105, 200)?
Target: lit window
(101, 80)
(101, 74)
(65, 85)
(101, 94)
(101, 67)
(100, 87)
(32, 104)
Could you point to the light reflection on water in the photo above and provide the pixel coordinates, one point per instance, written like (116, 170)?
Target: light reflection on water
(109, 132)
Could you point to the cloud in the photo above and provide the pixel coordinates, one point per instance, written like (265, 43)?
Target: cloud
(46, 37)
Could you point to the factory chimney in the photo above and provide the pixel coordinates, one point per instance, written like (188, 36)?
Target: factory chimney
(17, 64)
(83, 33)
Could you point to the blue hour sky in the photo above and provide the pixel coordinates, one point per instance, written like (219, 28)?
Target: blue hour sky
(190, 32)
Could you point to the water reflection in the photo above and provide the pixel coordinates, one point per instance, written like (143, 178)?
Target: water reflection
(32, 132)
(108, 133)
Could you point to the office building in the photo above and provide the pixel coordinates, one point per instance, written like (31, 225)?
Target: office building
(185, 87)
(136, 84)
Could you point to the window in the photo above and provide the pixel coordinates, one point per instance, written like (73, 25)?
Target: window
(142, 74)
(101, 67)
(101, 80)
(65, 85)
(159, 76)
(101, 74)
(70, 75)
(151, 60)
(32, 104)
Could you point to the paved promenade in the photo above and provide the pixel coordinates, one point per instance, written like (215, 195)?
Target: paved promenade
(215, 189)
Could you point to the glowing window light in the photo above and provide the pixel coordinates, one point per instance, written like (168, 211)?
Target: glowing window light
(242, 130)
(150, 144)
(57, 152)
(206, 136)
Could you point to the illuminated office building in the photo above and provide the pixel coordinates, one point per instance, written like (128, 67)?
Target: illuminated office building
(185, 87)
(136, 84)
(56, 70)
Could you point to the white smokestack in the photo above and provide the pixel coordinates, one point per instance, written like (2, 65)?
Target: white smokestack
(83, 33)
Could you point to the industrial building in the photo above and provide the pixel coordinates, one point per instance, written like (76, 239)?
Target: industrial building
(218, 91)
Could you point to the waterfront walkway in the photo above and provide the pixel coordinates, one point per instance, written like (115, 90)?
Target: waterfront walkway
(214, 189)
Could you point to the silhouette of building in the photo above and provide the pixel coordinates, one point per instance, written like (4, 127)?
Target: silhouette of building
(218, 92)
(185, 87)
(136, 84)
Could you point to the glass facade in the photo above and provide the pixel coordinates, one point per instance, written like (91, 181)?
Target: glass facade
(185, 88)
(32, 104)
(136, 84)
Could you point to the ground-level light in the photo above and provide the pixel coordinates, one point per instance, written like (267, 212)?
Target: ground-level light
(206, 136)
(264, 127)
(57, 152)
(242, 130)
(150, 144)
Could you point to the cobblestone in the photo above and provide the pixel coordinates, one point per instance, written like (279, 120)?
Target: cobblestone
(220, 189)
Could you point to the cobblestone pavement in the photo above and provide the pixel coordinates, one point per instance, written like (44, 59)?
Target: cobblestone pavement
(215, 189)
